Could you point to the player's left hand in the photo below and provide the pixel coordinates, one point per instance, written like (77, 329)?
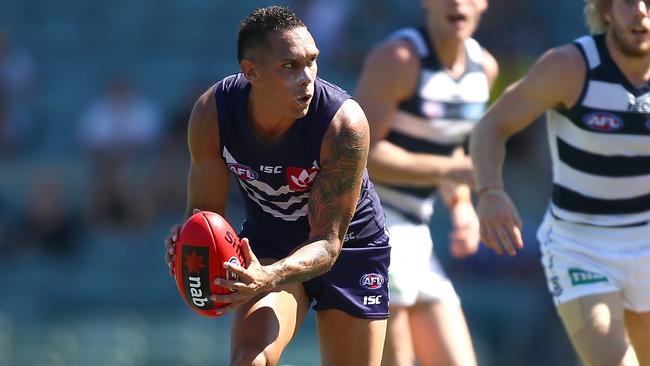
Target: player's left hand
(465, 236)
(251, 281)
(170, 247)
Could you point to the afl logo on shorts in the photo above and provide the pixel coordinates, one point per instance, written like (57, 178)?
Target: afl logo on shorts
(372, 281)
(603, 121)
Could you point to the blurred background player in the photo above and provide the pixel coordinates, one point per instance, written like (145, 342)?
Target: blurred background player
(595, 238)
(298, 147)
(423, 90)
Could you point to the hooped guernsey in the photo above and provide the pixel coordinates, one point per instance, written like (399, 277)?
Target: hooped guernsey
(275, 181)
(436, 119)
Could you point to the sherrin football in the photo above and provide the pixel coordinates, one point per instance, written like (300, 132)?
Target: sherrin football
(204, 243)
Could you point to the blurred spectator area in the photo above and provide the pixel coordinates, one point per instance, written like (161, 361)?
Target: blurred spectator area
(167, 46)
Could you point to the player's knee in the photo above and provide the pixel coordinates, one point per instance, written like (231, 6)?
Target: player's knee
(596, 326)
(598, 347)
(251, 356)
(597, 330)
(591, 318)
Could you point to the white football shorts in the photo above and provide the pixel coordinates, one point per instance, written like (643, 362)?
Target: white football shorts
(415, 275)
(581, 260)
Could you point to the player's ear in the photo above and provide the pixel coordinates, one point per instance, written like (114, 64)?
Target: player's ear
(606, 13)
(249, 69)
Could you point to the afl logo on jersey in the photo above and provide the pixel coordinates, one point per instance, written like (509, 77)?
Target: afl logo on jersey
(603, 121)
(372, 281)
(432, 109)
(243, 172)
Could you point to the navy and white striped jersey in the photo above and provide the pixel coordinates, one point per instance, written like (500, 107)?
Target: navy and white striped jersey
(436, 119)
(600, 148)
(275, 179)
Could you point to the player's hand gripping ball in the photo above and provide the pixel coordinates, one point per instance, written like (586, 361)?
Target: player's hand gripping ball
(204, 243)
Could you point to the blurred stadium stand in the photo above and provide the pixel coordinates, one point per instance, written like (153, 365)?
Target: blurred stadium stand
(107, 299)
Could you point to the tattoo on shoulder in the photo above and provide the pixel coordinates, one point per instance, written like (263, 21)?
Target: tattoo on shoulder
(343, 173)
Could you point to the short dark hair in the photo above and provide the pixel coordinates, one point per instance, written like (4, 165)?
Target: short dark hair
(258, 24)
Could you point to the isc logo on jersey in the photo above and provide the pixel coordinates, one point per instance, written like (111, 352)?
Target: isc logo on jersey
(372, 281)
(603, 121)
(242, 171)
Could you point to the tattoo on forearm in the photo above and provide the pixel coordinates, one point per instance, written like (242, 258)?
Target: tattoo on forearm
(314, 259)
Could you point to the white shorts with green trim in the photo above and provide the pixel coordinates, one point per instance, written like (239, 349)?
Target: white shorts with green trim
(581, 260)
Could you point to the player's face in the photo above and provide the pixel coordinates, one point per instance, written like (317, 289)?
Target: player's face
(288, 70)
(455, 18)
(629, 25)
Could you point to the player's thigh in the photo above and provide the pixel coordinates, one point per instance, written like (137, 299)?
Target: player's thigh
(638, 327)
(440, 334)
(398, 349)
(262, 328)
(350, 341)
(596, 327)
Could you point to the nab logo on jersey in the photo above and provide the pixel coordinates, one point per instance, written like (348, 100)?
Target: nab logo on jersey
(372, 281)
(243, 172)
(300, 179)
(603, 121)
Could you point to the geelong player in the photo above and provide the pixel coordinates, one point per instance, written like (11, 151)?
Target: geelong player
(595, 238)
(423, 91)
(297, 146)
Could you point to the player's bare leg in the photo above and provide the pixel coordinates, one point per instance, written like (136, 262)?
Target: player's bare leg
(262, 328)
(596, 328)
(638, 327)
(398, 349)
(349, 341)
(440, 334)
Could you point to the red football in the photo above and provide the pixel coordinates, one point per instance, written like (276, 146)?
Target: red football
(204, 243)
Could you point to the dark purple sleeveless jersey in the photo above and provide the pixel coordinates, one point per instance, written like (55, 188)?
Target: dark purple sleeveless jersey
(275, 180)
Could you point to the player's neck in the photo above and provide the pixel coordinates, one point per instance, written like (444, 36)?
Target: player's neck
(635, 69)
(265, 122)
(450, 52)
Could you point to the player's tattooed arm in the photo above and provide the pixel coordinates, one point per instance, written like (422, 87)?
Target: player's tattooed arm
(333, 196)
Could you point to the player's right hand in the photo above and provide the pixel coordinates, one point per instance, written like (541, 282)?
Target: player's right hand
(170, 245)
(251, 280)
(464, 238)
(500, 224)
